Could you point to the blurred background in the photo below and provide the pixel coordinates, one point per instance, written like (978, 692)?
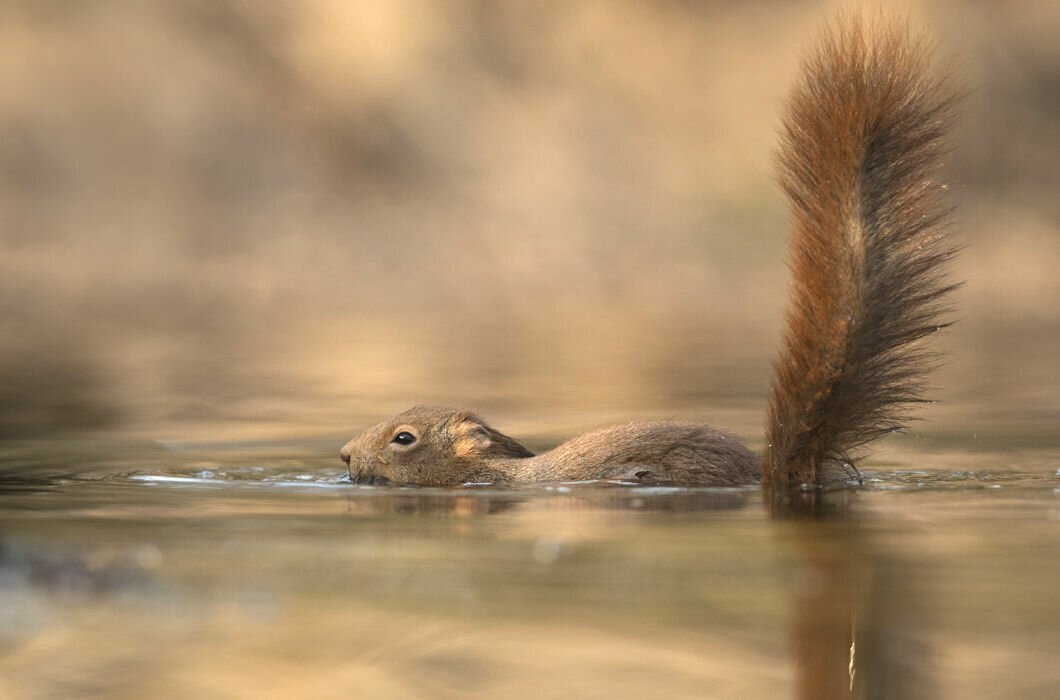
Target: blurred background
(235, 220)
(245, 230)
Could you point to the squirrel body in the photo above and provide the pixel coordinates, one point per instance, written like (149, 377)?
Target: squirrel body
(449, 446)
(861, 141)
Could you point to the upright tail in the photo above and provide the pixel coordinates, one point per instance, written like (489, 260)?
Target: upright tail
(861, 141)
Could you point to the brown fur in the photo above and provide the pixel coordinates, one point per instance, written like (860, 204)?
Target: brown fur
(861, 140)
(455, 446)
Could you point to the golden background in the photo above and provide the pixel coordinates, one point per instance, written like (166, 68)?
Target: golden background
(256, 220)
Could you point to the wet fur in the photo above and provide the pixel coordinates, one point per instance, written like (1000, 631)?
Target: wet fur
(455, 446)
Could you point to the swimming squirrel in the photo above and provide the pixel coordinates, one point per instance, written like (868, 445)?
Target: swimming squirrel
(860, 142)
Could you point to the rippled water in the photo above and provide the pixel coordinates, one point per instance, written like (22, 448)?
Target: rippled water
(243, 570)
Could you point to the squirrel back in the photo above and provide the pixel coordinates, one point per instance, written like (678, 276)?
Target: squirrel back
(438, 446)
(862, 139)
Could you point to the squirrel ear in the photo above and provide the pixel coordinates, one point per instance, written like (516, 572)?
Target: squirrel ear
(472, 439)
(480, 434)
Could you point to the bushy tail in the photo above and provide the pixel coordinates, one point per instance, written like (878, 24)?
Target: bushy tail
(861, 142)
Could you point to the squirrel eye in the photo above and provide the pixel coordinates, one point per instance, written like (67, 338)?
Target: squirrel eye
(404, 438)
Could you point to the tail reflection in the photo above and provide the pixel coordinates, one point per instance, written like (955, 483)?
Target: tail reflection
(858, 629)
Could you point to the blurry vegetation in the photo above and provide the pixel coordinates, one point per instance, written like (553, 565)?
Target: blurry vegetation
(225, 217)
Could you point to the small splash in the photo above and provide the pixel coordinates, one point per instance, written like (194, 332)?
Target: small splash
(217, 479)
(165, 479)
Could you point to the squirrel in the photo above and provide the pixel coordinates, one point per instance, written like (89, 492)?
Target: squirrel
(862, 137)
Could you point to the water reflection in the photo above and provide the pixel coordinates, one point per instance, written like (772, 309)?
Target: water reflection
(588, 497)
(858, 629)
(227, 573)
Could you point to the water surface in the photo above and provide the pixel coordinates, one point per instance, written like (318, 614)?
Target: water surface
(251, 570)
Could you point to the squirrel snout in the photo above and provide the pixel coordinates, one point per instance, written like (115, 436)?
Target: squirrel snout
(363, 474)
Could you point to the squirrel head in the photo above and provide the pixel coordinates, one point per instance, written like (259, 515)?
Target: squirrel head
(429, 446)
